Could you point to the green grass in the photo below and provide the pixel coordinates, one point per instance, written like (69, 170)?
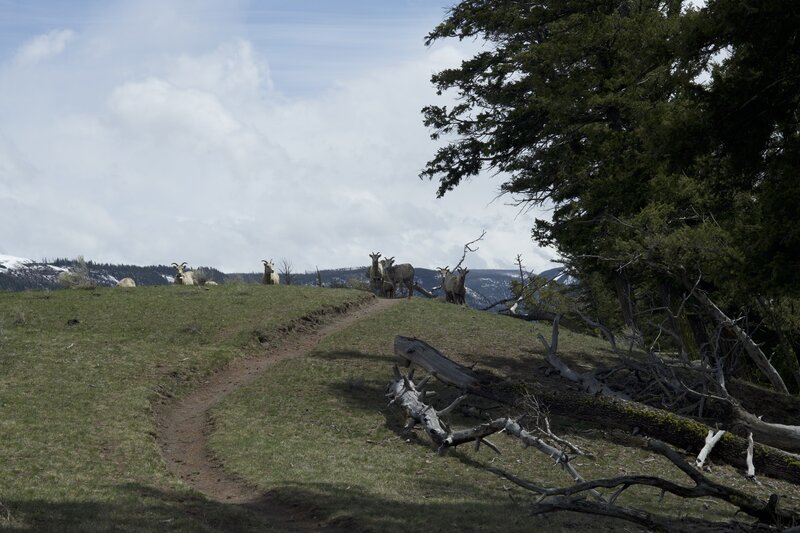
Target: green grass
(318, 430)
(77, 431)
(76, 399)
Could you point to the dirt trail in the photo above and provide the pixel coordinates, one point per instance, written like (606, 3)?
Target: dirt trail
(183, 424)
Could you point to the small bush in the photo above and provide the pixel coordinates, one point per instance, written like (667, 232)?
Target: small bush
(357, 283)
(78, 277)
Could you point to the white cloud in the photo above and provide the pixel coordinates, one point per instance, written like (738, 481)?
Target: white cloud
(43, 47)
(156, 104)
(187, 150)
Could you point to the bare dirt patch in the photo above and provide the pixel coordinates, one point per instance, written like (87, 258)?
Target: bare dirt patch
(183, 424)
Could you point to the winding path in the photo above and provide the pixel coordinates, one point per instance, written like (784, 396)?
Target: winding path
(183, 424)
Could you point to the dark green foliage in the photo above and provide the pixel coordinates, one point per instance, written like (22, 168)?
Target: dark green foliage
(664, 137)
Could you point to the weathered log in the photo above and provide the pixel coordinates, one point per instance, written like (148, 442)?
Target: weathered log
(778, 435)
(446, 370)
(780, 438)
(675, 429)
(423, 291)
(402, 391)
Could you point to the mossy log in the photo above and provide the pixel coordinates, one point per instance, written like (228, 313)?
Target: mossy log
(677, 430)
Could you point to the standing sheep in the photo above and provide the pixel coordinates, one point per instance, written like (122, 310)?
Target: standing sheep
(396, 274)
(460, 293)
(375, 275)
(183, 277)
(449, 283)
(270, 276)
(454, 289)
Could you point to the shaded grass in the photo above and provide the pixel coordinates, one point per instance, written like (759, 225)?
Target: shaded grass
(319, 428)
(79, 373)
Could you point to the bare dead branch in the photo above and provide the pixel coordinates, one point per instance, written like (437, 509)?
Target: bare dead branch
(766, 512)
(468, 248)
(752, 349)
(711, 440)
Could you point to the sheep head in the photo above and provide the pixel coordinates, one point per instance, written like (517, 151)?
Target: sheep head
(179, 272)
(443, 272)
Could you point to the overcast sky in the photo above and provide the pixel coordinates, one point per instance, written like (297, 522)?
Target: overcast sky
(221, 133)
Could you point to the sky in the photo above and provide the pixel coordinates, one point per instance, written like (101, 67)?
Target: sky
(221, 133)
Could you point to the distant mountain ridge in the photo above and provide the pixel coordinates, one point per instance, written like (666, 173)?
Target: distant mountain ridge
(484, 286)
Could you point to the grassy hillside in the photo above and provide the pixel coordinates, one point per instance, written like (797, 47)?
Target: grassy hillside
(81, 371)
(318, 430)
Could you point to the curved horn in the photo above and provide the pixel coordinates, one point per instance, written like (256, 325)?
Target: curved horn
(175, 265)
(183, 264)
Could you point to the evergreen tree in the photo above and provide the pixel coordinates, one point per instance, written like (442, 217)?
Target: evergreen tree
(664, 137)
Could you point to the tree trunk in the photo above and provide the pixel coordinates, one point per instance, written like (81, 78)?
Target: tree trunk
(626, 299)
(701, 340)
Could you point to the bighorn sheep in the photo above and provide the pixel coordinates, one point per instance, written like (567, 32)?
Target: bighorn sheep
(396, 274)
(270, 276)
(375, 275)
(183, 277)
(453, 285)
(449, 282)
(460, 292)
(126, 282)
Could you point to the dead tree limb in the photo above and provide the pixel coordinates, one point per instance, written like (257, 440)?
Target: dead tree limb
(468, 248)
(676, 429)
(603, 329)
(402, 391)
(587, 381)
(527, 290)
(711, 440)
(778, 435)
(766, 512)
(423, 291)
(752, 349)
(782, 436)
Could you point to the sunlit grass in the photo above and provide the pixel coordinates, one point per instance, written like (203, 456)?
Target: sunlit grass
(79, 373)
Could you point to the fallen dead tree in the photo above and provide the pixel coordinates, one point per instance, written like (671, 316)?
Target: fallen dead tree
(779, 436)
(403, 392)
(589, 404)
